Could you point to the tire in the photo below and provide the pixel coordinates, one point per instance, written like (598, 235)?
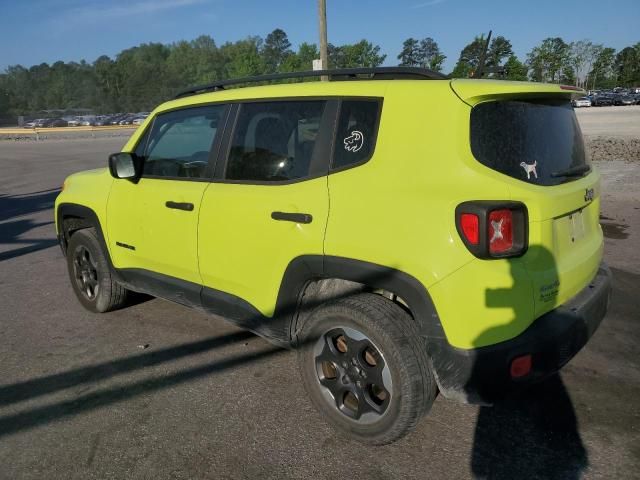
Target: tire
(380, 344)
(90, 274)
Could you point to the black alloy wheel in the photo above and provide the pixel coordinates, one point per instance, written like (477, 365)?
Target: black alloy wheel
(85, 272)
(353, 374)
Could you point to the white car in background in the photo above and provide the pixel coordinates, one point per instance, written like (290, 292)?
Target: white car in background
(581, 102)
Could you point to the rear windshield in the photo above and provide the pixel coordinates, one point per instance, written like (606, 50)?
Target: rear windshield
(535, 141)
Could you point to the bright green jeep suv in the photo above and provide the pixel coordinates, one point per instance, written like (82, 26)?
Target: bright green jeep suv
(407, 233)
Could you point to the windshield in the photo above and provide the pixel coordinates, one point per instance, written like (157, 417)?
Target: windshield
(536, 141)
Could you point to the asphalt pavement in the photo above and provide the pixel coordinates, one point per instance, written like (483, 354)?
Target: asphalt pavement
(160, 391)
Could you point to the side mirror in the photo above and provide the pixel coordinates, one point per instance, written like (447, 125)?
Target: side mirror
(125, 165)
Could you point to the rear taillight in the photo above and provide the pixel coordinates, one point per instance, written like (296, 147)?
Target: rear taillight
(500, 231)
(470, 227)
(493, 229)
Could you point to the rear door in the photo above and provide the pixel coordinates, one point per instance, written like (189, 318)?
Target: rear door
(269, 201)
(153, 224)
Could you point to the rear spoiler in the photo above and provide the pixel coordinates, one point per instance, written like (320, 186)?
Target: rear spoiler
(473, 91)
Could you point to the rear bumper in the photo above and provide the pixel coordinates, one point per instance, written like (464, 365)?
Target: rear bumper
(483, 375)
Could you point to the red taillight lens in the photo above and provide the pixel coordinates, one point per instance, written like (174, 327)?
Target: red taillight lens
(470, 225)
(521, 366)
(500, 231)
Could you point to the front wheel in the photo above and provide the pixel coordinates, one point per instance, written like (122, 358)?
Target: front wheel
(90, 274)
(365, 368)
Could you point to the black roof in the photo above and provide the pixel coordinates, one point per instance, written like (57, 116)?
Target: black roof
(378, 73)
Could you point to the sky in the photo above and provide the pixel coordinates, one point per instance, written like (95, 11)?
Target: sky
(36, 31)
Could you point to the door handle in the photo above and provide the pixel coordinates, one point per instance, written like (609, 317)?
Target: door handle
(292, 217)
(180, 205)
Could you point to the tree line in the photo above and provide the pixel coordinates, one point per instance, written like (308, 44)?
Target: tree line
(141, 77)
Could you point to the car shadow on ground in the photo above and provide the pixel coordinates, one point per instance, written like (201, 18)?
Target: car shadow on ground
(13, 228)
(531, 433)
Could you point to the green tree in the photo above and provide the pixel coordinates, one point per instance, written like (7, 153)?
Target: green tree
(410, 56)
(627, 66)
(515, 69)
(602, 73)
(581, 56)
(141, 77)
(302, 60)
(548, 60)
(430, 55)
(361, 54)
(499, 49)
(243, 58)
(276, 49)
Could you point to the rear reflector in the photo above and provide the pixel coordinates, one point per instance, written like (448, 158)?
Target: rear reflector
(521, 366)
(469, 223)
(500, 231)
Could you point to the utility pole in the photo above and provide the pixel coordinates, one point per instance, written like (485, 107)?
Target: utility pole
(322, 23)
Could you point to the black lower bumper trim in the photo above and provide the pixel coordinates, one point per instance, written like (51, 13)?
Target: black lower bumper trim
(483, 376)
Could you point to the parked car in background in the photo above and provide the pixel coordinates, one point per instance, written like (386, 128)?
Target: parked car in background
(624, 100)
(55, 122)
(138, 121)
(602, 100)
(101, 121)
(74, 122)
(581, 102)
(33, 123)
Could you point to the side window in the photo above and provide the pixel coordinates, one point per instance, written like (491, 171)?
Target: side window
(274, 141)
(180, 142)
(357, 131)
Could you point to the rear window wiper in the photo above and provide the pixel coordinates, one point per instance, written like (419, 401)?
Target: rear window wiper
(577, 171)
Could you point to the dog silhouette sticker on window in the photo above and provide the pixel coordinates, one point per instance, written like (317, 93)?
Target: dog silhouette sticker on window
(530, 168)
(354, 142)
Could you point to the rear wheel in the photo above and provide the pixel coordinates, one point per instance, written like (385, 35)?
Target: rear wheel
(90, 274)
(365, 368)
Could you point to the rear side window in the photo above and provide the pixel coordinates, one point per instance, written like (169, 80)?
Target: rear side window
(180, 142)
(274, 141)
(356, 136)
(535, 141)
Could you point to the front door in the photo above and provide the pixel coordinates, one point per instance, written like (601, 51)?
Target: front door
(153, 225)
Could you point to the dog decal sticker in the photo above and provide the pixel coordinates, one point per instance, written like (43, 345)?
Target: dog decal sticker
(354, 142)
(529, 169)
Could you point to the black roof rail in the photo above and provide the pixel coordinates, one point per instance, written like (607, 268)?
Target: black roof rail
(378, 73)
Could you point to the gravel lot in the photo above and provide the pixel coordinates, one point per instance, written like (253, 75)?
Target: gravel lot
(611, 133)
(160, 391)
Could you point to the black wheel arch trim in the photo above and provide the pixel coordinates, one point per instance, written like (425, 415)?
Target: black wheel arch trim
(83, 212)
